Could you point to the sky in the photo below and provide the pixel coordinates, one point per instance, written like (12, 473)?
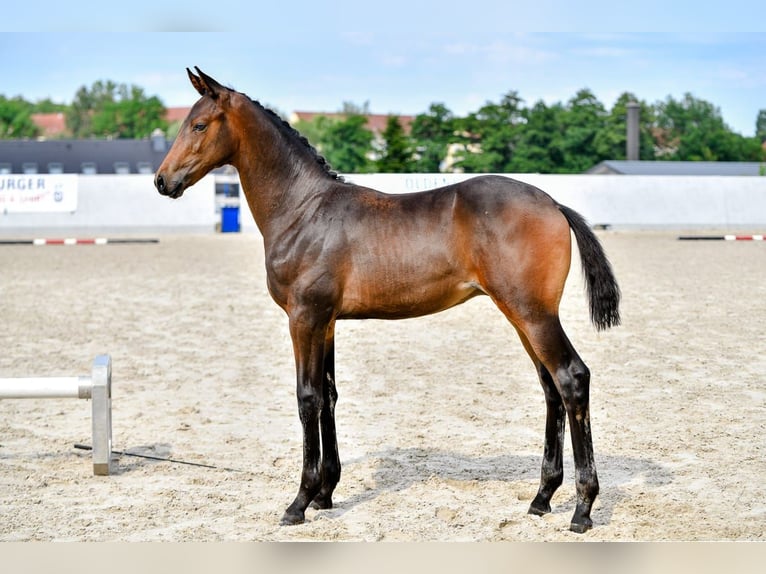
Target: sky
(400, 56)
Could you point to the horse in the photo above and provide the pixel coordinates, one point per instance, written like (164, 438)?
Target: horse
(335, 250)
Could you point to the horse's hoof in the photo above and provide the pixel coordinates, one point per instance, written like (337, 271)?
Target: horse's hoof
(321, 503)
(581, 528)
(292, 519)
(539, 508)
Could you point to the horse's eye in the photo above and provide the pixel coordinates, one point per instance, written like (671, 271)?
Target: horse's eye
(199, 127)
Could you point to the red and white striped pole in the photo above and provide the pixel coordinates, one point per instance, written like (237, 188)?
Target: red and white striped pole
(721, 237)
(75, 241)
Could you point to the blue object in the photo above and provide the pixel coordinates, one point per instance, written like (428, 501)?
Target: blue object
(229, 219)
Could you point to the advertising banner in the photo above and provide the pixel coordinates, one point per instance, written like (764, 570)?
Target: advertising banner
(38, 193)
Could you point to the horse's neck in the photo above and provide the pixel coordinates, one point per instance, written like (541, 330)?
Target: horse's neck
(278, 182)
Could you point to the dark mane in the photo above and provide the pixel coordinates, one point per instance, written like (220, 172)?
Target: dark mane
(292, 133)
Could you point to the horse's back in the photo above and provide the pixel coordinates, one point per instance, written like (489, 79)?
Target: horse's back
(497, 192)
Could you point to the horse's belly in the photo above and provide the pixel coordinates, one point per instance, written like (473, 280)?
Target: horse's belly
(400, 299)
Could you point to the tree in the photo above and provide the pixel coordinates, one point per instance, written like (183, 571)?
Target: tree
(315, 130)
(346, 144)
(48, 106)
(540, 145)
(79, 118)
(397, 152)
(16, 119)
(610, 141)
(696, 131)
(584, 117)
(760, 126)
(112, 110)
(431, 134)
(494, 131)
(133, 115)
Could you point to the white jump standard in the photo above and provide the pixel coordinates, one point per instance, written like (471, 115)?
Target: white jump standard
(97, 387)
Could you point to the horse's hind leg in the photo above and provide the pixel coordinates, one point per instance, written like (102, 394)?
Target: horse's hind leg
(571, 378)
(552, 472)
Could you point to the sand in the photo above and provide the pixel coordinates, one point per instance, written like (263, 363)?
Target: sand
(440, 419)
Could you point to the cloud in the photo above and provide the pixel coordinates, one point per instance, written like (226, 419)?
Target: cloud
(499, 51)
(357, 38)
(390, 60)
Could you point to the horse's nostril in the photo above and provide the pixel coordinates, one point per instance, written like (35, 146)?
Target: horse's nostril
(160, 183)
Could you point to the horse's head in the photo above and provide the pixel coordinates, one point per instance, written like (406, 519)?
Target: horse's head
(204, 141)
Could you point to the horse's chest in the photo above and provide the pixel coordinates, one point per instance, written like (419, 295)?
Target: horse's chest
(303, 279)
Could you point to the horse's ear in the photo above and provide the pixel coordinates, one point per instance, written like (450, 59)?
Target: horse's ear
(196, 82)
(209, 86)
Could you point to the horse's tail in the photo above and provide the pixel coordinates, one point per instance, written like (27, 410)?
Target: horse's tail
(600, 283)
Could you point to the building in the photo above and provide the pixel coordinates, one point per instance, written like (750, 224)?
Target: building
(51, 125)
(376, 123)
(624, 167)
(50, 154)
(83, 156)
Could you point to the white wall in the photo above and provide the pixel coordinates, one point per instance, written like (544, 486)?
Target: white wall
(627, 201)
(122, 203)
(131, 204)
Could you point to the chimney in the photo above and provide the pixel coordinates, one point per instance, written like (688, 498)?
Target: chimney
(632, 136)
(159, 143)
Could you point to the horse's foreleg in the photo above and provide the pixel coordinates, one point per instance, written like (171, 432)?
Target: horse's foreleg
(330, 459)
(308, 335)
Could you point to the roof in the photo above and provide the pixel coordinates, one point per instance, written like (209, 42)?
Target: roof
(376, 123)
(624, 167)
(177, 114)
(51, 124)
(105, 155)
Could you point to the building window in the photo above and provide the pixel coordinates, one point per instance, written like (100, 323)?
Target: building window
(55, 167)
(144, 167)
(89, 168)
(121, 167)
(29, 167)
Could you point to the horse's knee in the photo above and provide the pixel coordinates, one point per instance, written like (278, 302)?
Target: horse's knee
(310, 401)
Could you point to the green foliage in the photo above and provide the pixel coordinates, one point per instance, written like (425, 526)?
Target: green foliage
(499, 137)
(396, 156)
(583, 119)
(611, 140)
(431, 134)
(115, 110)
(697, 132)
(346, 144)
(494, 131)
(315, 130)
(48, 106)
(540, 145)
(15, 119)
(342, 138)
(760, 126)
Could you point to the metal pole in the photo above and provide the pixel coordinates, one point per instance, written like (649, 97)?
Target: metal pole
(45, 388)
(101, 395)
(97, 387)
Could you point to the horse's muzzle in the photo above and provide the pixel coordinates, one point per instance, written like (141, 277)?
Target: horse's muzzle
(175, 189)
